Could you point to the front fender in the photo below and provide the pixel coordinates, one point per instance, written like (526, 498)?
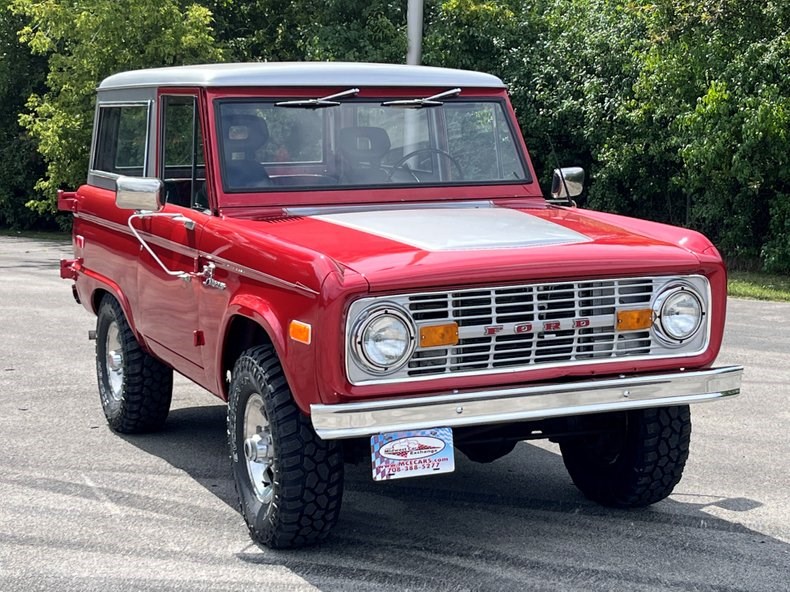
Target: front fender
(297, 359)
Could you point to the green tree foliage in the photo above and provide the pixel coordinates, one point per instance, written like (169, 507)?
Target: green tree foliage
(678, 109)
(262, 30)
(475, 35)
(277, 30)
(86, 41)
(570, 86)
(735, 129)
(372, 31)
(21, 163)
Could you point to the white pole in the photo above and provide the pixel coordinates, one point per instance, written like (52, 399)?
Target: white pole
(414, 20)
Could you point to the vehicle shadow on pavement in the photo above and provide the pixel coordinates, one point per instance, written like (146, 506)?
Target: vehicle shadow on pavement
(520, 524)
(194, 441)
(517, 523)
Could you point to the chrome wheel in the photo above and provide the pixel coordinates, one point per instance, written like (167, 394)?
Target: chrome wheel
(258, 449)
(134, 388)
(114, 361)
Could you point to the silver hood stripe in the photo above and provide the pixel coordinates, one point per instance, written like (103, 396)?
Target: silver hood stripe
(458, 229)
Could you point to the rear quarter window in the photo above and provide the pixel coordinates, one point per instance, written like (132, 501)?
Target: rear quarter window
(122, 140)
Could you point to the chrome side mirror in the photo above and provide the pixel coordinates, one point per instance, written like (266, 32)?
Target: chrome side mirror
(567, 182)
(138, 193)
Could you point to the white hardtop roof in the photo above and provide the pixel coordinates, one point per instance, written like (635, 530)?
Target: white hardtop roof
(338, 74)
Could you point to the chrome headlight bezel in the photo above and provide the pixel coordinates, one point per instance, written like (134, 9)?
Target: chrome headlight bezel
(664, 301)
(362, 357)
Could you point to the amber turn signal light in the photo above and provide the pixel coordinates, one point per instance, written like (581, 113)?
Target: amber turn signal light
(301, 332)
(633, 320)
(435, 335)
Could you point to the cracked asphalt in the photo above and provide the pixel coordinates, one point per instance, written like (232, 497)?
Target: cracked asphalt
(83, 509)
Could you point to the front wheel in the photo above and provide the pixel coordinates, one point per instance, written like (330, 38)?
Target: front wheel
(633, 459)
(289, 481)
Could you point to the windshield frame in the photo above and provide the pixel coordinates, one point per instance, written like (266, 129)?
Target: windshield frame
(364, 193)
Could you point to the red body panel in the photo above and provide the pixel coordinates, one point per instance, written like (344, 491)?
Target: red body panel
(276, 269)
(390, 265)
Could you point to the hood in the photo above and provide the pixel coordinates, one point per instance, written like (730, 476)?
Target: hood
(432, 246)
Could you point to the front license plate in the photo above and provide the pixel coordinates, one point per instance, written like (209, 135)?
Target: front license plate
(397, 455)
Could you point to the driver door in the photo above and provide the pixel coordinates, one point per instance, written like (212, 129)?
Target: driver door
(169, 305)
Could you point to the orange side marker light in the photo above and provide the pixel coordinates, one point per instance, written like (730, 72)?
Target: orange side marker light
(301, 332)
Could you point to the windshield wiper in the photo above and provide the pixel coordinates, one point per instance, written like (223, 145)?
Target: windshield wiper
(318, 103)
(432, 101)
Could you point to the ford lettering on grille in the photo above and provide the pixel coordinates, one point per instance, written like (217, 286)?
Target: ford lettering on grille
(519, 328)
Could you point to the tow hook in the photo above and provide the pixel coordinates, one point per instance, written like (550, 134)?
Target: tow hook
(92, 335)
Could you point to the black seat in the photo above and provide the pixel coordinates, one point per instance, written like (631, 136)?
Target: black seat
(243, 135)
(362, 149)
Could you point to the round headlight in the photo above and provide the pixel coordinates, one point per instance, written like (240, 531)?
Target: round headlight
(384, 340)
(680, 313)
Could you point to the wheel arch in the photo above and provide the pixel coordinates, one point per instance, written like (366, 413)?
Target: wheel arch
(252, 320)
(242, 332)
(103, 290)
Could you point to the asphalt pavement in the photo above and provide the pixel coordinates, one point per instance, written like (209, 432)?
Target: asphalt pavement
(83, 509)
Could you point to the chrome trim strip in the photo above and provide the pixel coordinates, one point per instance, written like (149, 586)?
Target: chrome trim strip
(104, 174)
(109, 224)
(226, 264)
(485, 407)
(260, 276)
(172, 246)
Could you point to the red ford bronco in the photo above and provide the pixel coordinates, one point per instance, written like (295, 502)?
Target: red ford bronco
(358, 258)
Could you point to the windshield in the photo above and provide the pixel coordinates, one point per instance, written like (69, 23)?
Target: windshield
(269, 147)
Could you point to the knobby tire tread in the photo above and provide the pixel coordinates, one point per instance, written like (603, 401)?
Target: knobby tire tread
(652, 464)
(148, 383)
(309, 471)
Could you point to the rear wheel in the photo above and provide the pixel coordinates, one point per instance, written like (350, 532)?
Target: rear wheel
(636, 460)
(135, 388)
(289, 481)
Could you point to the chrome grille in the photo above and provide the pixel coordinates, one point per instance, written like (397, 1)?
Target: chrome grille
(581, 317)
(594, 302)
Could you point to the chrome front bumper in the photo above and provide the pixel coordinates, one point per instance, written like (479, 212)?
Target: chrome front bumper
(350, 420)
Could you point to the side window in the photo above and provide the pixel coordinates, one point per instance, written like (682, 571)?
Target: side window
(122, 140)
(182, 167)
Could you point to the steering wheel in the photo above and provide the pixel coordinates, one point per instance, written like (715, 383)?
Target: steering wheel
(398, 166)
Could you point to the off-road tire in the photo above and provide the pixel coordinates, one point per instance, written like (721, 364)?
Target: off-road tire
(306, 471)
(637, 463)
(142, 400)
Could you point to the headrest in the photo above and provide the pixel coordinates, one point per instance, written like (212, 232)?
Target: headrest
(244, 131)
(363, 144)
